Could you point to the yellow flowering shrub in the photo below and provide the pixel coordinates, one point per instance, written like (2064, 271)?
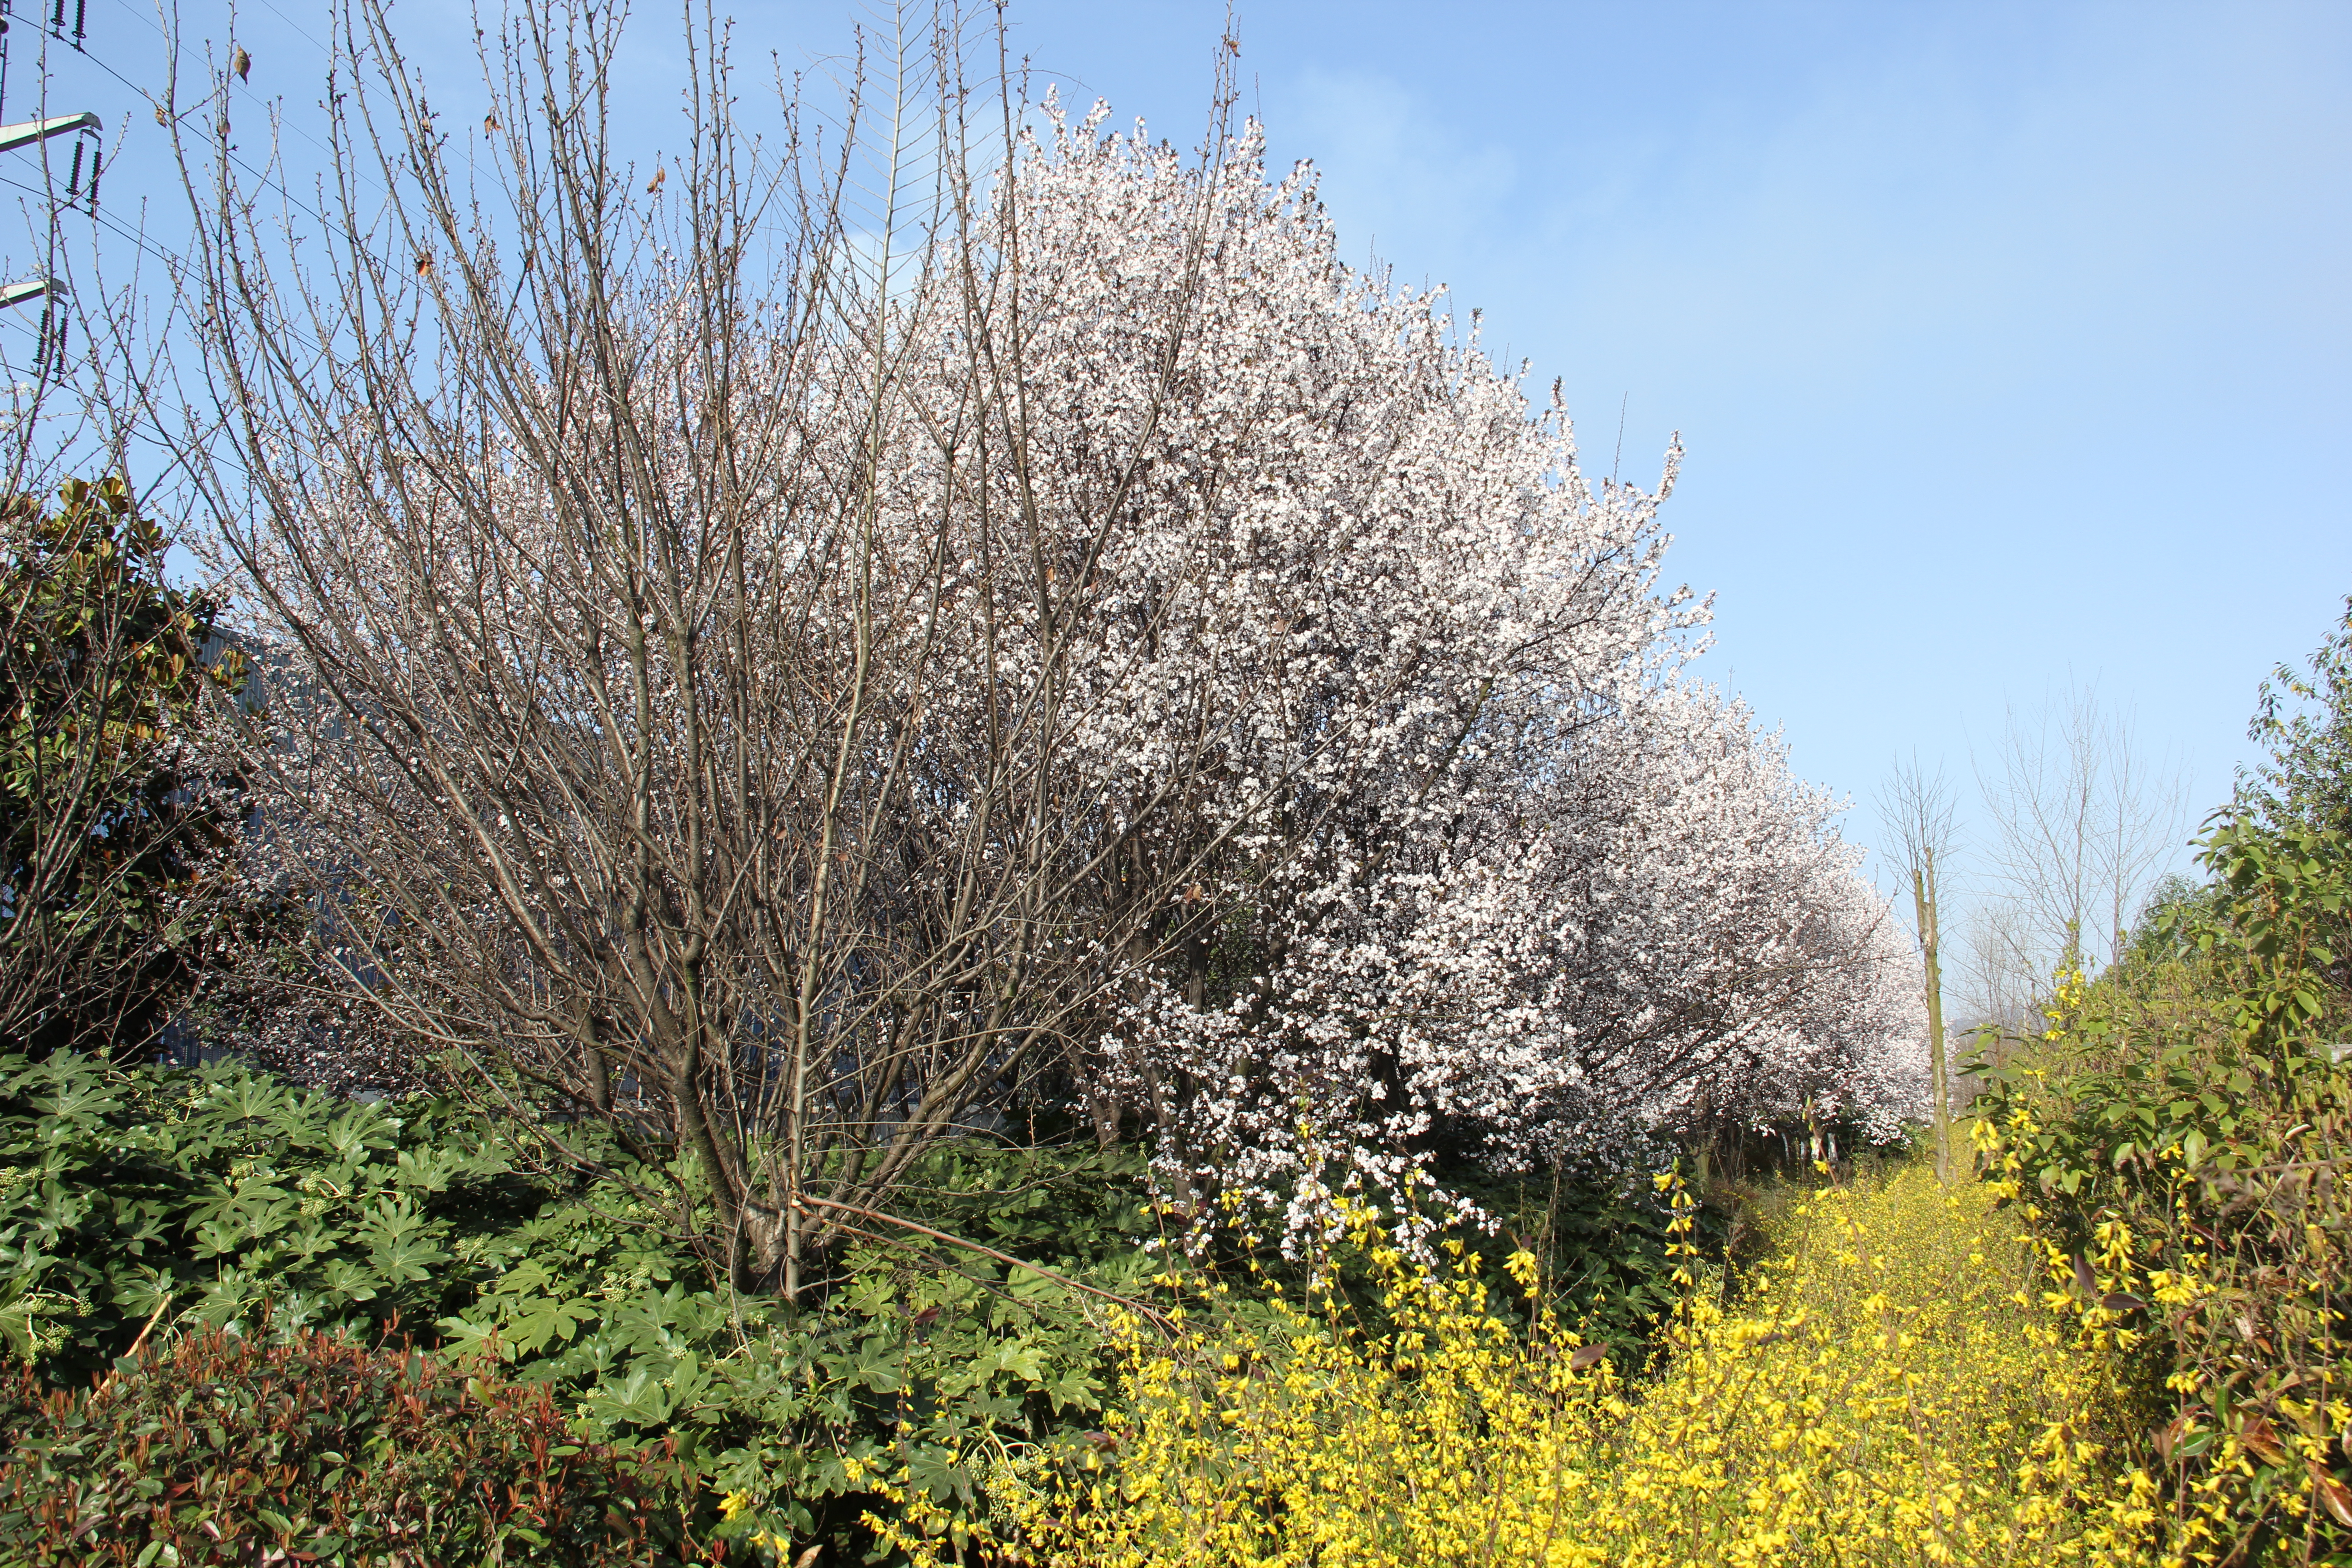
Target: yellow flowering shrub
(1891, 1388)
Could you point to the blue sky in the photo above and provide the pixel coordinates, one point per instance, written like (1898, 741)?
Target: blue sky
(2009, 342)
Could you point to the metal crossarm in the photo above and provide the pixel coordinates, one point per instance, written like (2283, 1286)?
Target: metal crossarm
(31, 130)
(30, 288)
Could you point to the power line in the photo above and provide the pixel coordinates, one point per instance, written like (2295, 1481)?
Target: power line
(266, 181)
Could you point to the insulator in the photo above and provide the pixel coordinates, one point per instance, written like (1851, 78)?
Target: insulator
(58, 353)
(73, 180)
(97, 157)
(58, 21)
(81, 13)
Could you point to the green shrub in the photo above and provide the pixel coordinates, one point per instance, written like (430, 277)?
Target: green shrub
(2179, 1139)
(2189, 1183)
(131, 1193)
(223, 1450)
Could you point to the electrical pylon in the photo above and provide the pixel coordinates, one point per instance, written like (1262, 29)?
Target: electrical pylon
(49, 355)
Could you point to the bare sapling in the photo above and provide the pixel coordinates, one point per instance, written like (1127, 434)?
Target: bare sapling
(2083, 822)
(1919, 807)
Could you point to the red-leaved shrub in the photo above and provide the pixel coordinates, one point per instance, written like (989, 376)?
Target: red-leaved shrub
(220, 1449)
